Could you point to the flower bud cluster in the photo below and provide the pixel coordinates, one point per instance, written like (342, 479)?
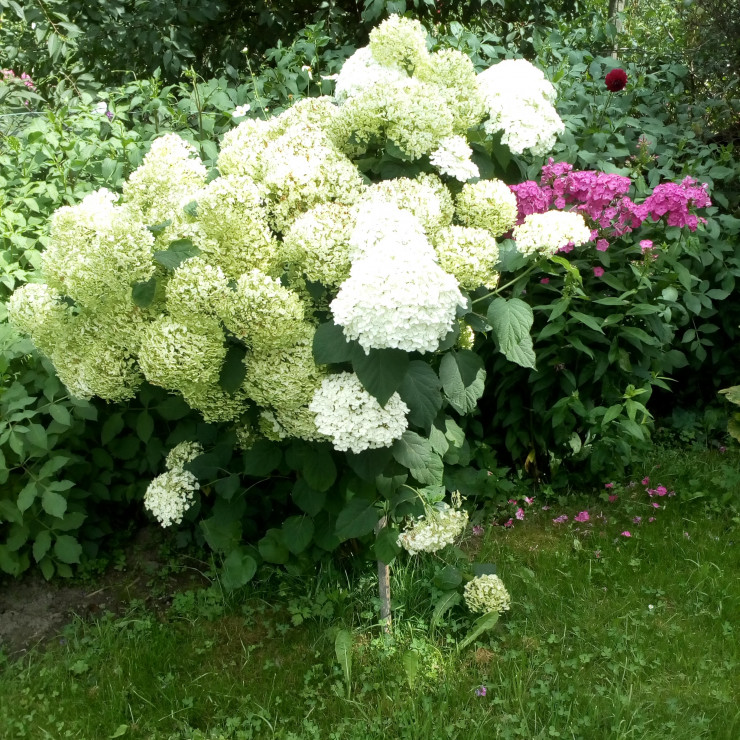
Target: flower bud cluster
(486, 594)
(440, 526)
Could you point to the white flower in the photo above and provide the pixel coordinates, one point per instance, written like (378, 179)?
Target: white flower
(170, 495)
(360, 72)
(453, 158)
(352, 418)
(441, 526)
(487, 593)
(101, 108)
(183, 453)
(547, 232)
(386, 303)
(520, 101)
(241, 110)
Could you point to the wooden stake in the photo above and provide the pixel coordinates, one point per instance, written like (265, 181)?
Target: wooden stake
(384, 585)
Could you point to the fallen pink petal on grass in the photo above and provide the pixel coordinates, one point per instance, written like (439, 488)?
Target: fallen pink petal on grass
(626, 533)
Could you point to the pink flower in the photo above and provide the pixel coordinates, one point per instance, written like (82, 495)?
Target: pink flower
(477, 530)
(651, 519)
(602, 245)
(529, 500)
(608, 485)
(655, 505)
(559, 520)
(545, 281)
(646, 481)
(481, 691)
(598, 271)
(567, 247)
(510, 523)
(625, 534)
(519, 513)
(613, 498)
(637, 520)
(661, 491)
(582, 516)
(513, 501)
(646, 245)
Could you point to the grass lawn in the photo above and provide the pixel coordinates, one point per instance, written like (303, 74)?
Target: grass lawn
(609, 636)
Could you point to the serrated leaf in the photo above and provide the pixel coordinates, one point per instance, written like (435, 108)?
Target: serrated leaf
(178, 251)
(386, 545)
(142, 294)
(41, 544)
(67, 549)
(420, 391)
(445, 603)
(273, 548)
(411, 666)
(381, 371)
(27, 496)
(357, 518)
(511, 321)
(463, 379)
(52, 465)
(111, 428)
(60, 414)
(481, 625)
(298, 531)
(53, 503)
(238, 569)
(144, 426)
(415, 453)
(343, 651)
(330, 345)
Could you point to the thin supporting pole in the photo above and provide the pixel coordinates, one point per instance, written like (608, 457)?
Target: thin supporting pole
(384, 585)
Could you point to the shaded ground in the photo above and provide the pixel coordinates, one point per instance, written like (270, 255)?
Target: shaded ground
(33, 611)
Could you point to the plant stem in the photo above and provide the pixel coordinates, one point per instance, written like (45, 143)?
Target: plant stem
(506, 285)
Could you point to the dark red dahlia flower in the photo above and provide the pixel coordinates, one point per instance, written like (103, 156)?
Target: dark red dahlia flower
(616, 80)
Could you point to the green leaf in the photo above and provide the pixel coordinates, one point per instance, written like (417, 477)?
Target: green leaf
(330, 345)
(262, 458)
(411, 666)
(732, 394)
(420, 391)
(41, 545)
(319, 469)
(52, 465)
(386, 545)
(357, 518)
(307, 498)
(233, 370)
(445, 603)
(448, 578)
(142, 294)
(238, 569)
(369, 464)
(54, 503)
(173, 408)
(484, 569)
(176, 254)
(511, 321)
(486, 622)
(590, 321)
(67, 549)
(159, 228)
(272, 547)
(27, 496)
(144, 426)
(415, 453)
(463, 379)
(111, 428)
(343, 651)
(298, 532)
(37, 436)
(60, 414)
(221, 534)
(381, 371)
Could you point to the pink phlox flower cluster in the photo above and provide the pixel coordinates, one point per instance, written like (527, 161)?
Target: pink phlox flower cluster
(25, 78)
(582, 516)
(560, 519)
(519, 513)
(659, 491)
(674, 201)
(613, 498)
(531, 198)
(510, 523)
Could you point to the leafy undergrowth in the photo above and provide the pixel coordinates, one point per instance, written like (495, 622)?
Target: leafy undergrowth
(609, 636)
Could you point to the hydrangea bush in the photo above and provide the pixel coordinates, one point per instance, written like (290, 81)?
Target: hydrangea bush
(328, 293)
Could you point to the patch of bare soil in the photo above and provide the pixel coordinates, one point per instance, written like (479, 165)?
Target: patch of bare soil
(33, 611)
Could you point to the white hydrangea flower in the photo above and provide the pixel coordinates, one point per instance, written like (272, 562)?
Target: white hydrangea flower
(546, 233)
(195, 289)
(35, 309)
(487, 204)
(352, 418)
(469, 254)
(397, 304)
(170, 495)
(519, 100)
(453, 158)
(384, 231)
(440, 527)
(362, 71)
(487, 593)
(183, 453)
(400, 42)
